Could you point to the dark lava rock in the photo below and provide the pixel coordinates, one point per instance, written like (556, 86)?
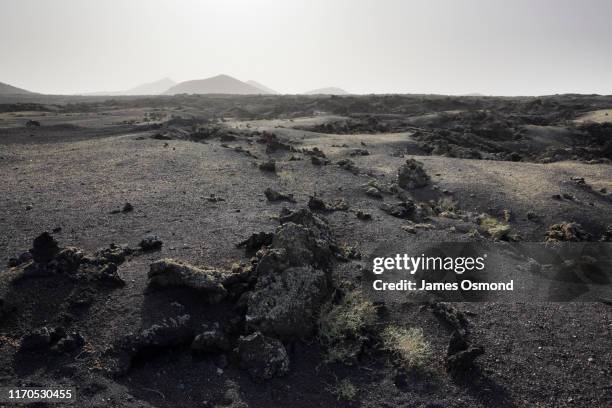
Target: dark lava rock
(317, 204)
(348, 165)
(20, 260)
(269, 165)
(567, 231)
(214, 199)
(127, 207)
(273, 143)
(263, 357)
(69, 343)
(306, 218)
(66, 260)
(463, 360)
(169, 333)
(359, 152)
(257, 240)
(114, 253)
(211, 341)
(318, 161)
(461, 353)
(316, 152)
(362, 215)
(374, 192)
(44, 248)
(273, 195)
(109, 274)
(412, 175)
(292, 277)
(304, 245)
(285, 301)
(457, 343)
(450, 315)
(403, 209)
(36, 340)
(172, 273)
(150, 243)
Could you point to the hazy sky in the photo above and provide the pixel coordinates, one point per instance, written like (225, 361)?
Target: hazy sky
(507, 47)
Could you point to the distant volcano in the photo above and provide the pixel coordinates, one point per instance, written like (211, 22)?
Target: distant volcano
(261, 87)
(6, 89)
(327, 91)
(220, 84)
(152, 88)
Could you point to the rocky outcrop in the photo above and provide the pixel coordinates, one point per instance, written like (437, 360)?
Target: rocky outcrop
(173, 273)
(412, 175)
(263, 357)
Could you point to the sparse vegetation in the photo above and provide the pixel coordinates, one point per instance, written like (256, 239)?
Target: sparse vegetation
(495, 228)
(342, 327)
(408, 345)
(447, 204)
(345, 390)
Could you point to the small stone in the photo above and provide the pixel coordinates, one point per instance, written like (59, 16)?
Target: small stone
(151, 243)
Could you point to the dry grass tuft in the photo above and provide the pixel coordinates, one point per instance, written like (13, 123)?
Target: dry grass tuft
(408, 345)
(342, 327)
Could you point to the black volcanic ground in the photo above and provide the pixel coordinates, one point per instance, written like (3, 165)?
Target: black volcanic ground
(190, 166)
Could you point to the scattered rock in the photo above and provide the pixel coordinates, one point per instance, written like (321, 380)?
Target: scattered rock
(403, 209)
(607, 234)
(317, 204)
(263, 357)
(269, 165)
(567, 231)
(69, 343)
(66, 260)
(374, 192)
(211, 341)
(316, 152)
(257, 240)
(32, 124)
(359, 152)
(578, 180)
(412, 175)
(318, 161)
(127, 207)
(150, 243)
(461, 354)
(304, 246)
(272, 143)
(114, 253)
(44, 248)
(273, 195)
(212, 198)
(453, 317)
(21, 259)
(36, 340)
(169, 333)
(169, 272)
(349, 165)
(285, 301)
(362, 215)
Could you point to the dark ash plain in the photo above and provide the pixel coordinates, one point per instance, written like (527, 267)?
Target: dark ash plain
(195, 170)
